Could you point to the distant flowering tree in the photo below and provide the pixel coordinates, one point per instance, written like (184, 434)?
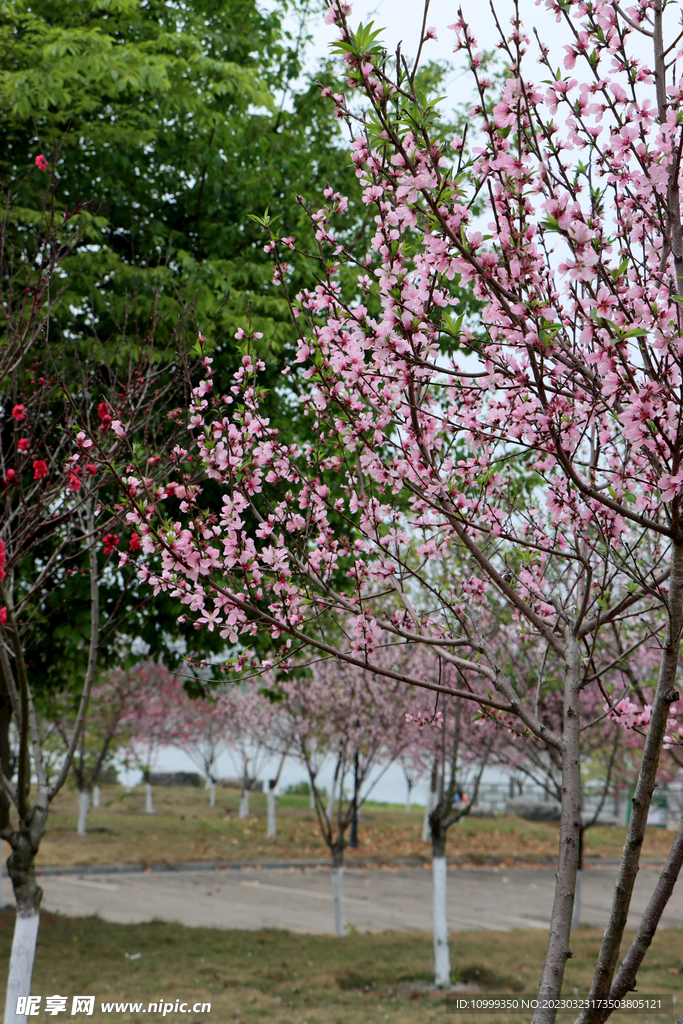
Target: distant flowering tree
(205, 734)
(115, 702)
(157, 720)
(249, 718)
(358, 719)
(542, 475)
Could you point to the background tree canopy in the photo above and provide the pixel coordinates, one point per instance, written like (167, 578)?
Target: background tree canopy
(169, 123)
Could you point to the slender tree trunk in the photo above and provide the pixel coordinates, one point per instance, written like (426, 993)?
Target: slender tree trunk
(28, 894)
(96, 796)
(311, 799)
(665, 694)
(431, 804)
(212, 792)
(337, 880)
(83, 805)
(149, 805)
(244, 803)
(270, 798)
(557, 951)
(442, 959)
(625, 980)
(333, 789)
(409, 792)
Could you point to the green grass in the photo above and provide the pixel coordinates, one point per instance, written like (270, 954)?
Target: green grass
(275, 977)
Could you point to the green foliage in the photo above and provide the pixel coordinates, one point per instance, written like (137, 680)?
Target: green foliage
(166, 125)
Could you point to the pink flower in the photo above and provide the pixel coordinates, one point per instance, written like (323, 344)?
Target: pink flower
(3, 559)
(19, 412)
(10, 476)
(23, 444)
(91, 468)
(3, 615)
(117, 427)
(41, 162)
(39, 469)
(74, 482)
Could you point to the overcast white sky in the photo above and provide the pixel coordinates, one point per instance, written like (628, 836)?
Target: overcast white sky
(401, 21)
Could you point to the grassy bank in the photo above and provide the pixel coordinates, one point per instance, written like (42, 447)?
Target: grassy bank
(185, 828)
(279, 978)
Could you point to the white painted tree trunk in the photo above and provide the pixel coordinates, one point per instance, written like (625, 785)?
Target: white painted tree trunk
(272, 825)
(330, 805)
(212, 794)
(149, 805)
(576, 913)
(244, 804)
(409, 793)
(442, 960)
(83, 805)
(96, 795)
(426, 827)
(312, 799)
(337, 879)
(21, 964)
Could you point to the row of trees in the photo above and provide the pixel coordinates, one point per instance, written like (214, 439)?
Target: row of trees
(519, 504)
(460, 471)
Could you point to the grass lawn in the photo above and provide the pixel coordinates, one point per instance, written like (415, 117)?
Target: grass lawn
(279, 978)
(185, 828)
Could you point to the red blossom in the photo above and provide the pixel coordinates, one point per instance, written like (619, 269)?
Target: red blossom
(3, 559)
(3, 615)
(74, 483)
(110, 541)
(39, 469)
(11, 473)
(104, 415)
(41, 162)
(135, 543)
(19, 412)
(23, 444)
(91, 468)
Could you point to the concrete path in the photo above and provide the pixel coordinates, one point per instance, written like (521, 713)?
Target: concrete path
(375, 899)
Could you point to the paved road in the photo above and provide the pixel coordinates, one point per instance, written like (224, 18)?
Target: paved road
(375, 899)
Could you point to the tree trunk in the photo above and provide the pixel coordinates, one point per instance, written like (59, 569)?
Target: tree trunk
(83, 805)
(576, 913)
(337, 879)
(647, 780)
(212, 792)
(28, 894)
(2, 875)
(149, 805)
(330, 804)
(270, 797)
(557, 950)
(431, 804)
(96, 795)
(442, 960)
(244, 804)
(409, 791)
(312, 799)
